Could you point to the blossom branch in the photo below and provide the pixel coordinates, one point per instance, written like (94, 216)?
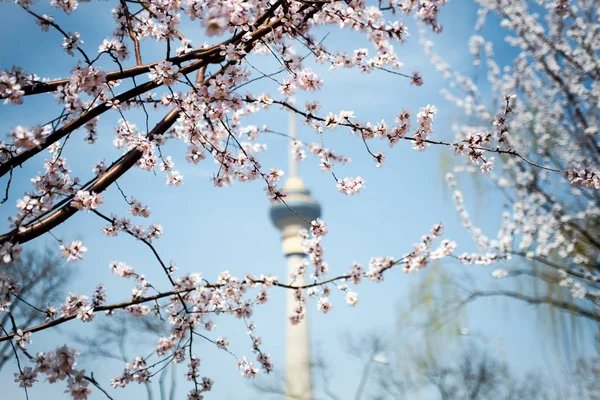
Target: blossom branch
(104, 181)
(360, 128)
(146, 299)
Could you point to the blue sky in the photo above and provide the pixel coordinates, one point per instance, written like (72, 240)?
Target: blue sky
(209, 230)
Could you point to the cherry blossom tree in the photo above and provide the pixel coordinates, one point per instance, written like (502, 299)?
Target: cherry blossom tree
(201, 96)
(549, 230)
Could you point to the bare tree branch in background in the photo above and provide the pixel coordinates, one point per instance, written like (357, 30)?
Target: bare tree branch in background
(41, 275)
(471, 373)
(114, 336)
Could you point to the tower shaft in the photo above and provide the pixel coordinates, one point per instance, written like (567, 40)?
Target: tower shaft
(298, 380)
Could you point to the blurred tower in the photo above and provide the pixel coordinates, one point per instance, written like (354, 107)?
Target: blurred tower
(298, 382)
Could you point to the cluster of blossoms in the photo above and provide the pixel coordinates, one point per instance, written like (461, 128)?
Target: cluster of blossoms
(416, 79)
(299, 311)
(377, 266)
(422, 254)
(327, 157)
(84, 199)
(79, 305)
(425, 120)
(71, 92)
(10, 252)
(480, 239)
(123, 270)
(89, 80)
(483, 243)
(350, 186)
(371, 18)
(71, 43)
(471, 147)
(115, 47)
(174, 178)
(11, 84)
(164, 72)
(67, 5)
(57, 365)
(137, 209)
(298, 151)
(313, 248)
(583, 177)
(25, 139)
(577, 289)
(247, 368)
(304, 79)
(473, 144)
(123, 224)
(73, 251)
(401, 129)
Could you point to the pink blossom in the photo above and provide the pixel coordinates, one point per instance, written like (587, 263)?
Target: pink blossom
(351, 298)
(73, 251)
(10, 252)
(318, 227)
(164, 72)
(26, 378)
(324, 305)
(350, 186)
(88, 200)
(72, 41)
